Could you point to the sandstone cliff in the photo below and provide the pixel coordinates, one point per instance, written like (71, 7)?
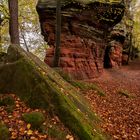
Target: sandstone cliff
(86, 25)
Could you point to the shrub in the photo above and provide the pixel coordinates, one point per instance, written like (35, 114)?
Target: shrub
(34, 118)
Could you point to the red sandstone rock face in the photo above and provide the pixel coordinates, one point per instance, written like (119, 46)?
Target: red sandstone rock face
(79, 58)
(83, 37)
(115, 54)
(125, 59)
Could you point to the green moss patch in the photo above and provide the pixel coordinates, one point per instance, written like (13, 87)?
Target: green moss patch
(55, 132)
(36, 119)
(84, 86)
(4, 132)
(7, 100)
(89, 86)
(125, 93)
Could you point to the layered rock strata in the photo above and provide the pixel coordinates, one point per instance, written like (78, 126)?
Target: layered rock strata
(120, 40)
(85, 27)
(113, 53)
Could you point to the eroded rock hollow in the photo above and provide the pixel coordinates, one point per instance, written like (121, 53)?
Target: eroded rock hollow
(86, 25)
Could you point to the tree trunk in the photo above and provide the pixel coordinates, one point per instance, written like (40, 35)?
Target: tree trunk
(58, 34)
(13, 21)
(130, 49)
(0, 40)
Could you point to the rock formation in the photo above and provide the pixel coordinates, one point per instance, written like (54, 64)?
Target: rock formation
(114, 49)
(119, 42)
(85, 27)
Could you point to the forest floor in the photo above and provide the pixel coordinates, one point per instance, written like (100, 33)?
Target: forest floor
(15, 127)
(120, 108)
(12, 116)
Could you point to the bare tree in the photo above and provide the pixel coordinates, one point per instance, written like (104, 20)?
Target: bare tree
(58, 34)
(13, 21)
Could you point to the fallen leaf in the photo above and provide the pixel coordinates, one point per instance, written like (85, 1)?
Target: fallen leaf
(29, 132)
(28, 126)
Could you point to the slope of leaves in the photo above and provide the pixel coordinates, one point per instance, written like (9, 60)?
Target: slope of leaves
(120, 114)
(20, 130)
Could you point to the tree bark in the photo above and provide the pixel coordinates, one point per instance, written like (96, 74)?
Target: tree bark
(13, 21)
(58, 34)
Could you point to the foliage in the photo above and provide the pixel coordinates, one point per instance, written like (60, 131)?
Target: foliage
(7, 101)
(34, 118)
(30, 34)
(30, 28)
(4, 27)
(4, 132)
(136, 28)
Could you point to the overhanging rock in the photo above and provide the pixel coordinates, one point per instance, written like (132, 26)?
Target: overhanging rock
(85, 27)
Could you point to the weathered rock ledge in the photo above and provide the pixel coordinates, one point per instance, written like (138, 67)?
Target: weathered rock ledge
(85, 27)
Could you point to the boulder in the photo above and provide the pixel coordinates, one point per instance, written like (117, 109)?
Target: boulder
(39, 86)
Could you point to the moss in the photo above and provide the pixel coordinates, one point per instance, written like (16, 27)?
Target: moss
(81, 85)
(125, 93)
(7, 101)
(88, 86)
(4, 132)
(36, 119)
(74, 118)
(10, 109)
(55, 132)
(2, 57)
(31, 94)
